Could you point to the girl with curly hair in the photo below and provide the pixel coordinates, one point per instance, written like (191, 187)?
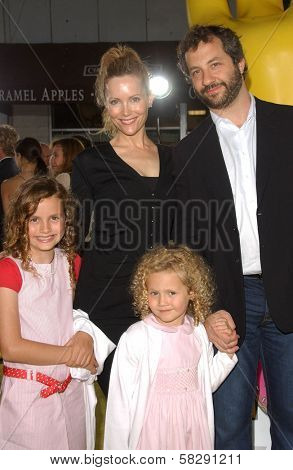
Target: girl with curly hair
(164, 370)
(41, 406)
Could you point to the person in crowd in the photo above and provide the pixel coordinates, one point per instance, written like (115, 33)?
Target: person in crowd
(63, 153)
(41, 406)
(8, 140)
(234, 179)
(164, 370)
(123, 185)
(46, 153)
(8, 167)
(28, 156)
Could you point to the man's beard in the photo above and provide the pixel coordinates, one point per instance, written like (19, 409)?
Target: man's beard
(230, 92)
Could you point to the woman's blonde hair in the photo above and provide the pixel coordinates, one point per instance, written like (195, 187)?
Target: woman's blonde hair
(116, 62)
(191, 269)
(24, 205)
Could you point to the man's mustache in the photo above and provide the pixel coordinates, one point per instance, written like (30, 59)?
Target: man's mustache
(209, 87)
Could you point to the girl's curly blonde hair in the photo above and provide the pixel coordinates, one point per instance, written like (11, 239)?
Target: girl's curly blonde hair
(24, 205)
(190, 267)
(116, 62)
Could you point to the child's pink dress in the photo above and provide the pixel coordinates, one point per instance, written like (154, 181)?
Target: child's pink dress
(28, 421)
(176, 414)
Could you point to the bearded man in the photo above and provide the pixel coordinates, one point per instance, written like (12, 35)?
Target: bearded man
(234, 179)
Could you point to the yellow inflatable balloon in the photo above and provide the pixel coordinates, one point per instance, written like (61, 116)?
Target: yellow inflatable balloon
(266, 32)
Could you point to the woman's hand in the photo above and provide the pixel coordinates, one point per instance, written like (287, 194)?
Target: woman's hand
(92, 365)
(82, 352)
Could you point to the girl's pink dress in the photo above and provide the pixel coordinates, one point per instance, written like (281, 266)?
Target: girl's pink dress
(176, 414)
(28, 421)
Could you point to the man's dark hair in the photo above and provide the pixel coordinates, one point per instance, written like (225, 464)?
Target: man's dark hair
(205, 33)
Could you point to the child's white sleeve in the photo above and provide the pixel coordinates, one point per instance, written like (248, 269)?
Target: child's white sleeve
(103, 346)
(123, 378)
(220, 364)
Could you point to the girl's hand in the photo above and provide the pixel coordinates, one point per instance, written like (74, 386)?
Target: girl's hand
(82, 351)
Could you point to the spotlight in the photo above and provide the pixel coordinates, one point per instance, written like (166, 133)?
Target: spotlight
(160, 87)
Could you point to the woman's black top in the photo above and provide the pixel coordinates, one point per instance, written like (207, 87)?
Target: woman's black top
(131, 214)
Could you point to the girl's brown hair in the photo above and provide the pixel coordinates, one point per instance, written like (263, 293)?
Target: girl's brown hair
(189, 266)
(24, 205)
(116, 62)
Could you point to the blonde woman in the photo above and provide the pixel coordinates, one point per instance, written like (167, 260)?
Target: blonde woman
(125, 182)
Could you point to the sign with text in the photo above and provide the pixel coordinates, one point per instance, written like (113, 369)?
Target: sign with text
(58, 73)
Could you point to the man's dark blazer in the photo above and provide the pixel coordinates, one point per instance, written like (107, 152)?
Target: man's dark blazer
(208, 218)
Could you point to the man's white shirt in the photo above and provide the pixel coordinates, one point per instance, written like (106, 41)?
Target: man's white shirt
(239, 150)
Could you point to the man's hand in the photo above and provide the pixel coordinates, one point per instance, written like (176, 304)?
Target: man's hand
(82, 352)
(221, 331)
(265, 30)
